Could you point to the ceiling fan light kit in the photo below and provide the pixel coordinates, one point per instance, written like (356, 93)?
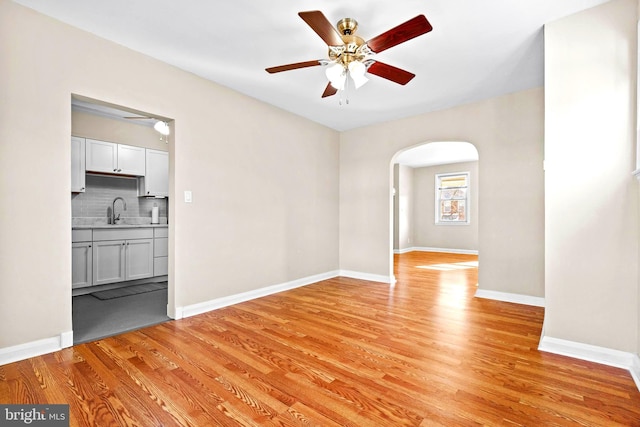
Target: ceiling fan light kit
(162, 127)
(350, 57)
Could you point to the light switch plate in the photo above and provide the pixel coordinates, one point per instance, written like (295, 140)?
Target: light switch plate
(188, 197)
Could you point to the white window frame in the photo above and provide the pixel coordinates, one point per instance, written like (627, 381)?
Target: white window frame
(439, 199)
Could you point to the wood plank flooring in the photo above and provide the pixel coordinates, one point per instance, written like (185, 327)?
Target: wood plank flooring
(341, 352)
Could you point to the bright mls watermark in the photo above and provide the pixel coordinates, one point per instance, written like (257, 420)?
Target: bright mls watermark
(34, 415)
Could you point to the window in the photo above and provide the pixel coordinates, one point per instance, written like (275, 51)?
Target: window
(452, 198)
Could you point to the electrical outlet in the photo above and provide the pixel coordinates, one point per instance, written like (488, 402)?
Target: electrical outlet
(188, 197)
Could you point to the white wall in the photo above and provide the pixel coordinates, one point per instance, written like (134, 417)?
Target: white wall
(264, 181)
(426, 233)
(591, 198)
(508, 133)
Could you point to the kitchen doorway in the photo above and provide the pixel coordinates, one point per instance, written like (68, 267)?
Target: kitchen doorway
(120, 219)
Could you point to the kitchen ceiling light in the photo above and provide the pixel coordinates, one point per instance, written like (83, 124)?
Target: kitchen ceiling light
(162, 127)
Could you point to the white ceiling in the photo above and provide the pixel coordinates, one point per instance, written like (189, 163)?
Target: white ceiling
(477, 49)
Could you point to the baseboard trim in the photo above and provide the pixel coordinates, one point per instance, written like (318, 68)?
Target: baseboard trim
(367, 276)
(507, 297)
(592, 353)
(635, 370)
(403, 251)
(443, 250)
(35, 348)
(203, 307)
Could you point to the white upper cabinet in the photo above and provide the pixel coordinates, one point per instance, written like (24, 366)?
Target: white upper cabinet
(102, 156)
(131, 160)
(77, 165)
(156, 180)
(107, 157)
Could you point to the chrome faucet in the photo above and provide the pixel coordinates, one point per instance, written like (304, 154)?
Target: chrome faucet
(115, 218)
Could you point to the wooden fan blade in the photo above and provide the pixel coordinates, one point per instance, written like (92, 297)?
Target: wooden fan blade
(329, 91)
(400, 34)
(321, 25)
(390, 72)
(294, 66)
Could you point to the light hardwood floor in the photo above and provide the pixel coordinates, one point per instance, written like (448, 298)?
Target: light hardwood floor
(340, 352)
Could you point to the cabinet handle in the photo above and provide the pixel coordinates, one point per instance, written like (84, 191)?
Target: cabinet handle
(82, 189)
(89, 245)
(115, 170)
(119, 170)
(147, 191)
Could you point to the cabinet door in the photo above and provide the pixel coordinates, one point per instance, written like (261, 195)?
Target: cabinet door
(156, 179)
(161, 266)
(139, 255)
(81, 263)
(131, 160)
(160, 255)
(101, 156)
(78, 154)
(108, 261)
(160, 246)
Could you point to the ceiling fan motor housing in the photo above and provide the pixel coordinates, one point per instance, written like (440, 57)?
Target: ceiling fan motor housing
(351, 50)
(347, 26)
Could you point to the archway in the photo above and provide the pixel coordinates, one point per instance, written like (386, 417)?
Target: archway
(418, 204)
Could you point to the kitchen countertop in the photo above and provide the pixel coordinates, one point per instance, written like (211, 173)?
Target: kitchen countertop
(94, 226)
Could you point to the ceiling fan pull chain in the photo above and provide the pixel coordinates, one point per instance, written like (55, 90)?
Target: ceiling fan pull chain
(343, 92)
(346, 87)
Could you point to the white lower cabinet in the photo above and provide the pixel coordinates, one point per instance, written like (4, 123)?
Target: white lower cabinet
(122, 254)
(138, 259)
(121, 260)
(160, 252)
(108, 262)
(81, 261)
(110, 255)
(81, 258)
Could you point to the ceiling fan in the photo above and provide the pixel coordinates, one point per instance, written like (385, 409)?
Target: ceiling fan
(350, 56)
(160, 126)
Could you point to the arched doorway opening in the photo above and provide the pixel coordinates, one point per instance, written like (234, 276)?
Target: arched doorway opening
(428, 210)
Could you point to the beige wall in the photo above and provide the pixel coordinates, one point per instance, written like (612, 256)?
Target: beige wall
(264, 182)
(638, 155)
(93, 126)
(590, 195)
(426, 233)
(403, 207)
(508, 133)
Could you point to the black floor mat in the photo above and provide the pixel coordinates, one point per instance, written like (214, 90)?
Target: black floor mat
(129, 290)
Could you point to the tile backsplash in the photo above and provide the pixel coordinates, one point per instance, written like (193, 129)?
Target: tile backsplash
(100, 190)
